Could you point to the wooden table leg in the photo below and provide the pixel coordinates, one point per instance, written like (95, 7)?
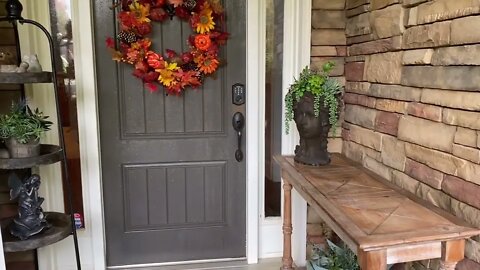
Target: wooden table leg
(372, 260)
(452, 252)
(287, 261)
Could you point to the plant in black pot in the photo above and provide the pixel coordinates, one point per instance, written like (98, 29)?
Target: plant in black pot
(21, 130)
(313, 102)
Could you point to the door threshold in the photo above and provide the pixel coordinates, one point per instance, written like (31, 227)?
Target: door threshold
(188, 265)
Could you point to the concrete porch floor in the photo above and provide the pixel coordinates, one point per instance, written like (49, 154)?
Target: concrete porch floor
(266, 264)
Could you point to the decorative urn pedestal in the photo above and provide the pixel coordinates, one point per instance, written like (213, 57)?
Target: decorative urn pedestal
(313, 131)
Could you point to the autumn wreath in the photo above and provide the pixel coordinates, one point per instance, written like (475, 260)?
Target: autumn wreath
(176, 72)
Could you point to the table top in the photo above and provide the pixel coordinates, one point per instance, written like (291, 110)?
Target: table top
(367, 211)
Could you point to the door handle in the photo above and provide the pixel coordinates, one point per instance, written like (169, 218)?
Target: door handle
(238, 123)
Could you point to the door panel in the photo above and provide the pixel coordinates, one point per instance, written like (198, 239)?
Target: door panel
(173, 190)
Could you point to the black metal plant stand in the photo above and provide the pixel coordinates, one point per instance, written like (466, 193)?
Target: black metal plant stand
(60, 225)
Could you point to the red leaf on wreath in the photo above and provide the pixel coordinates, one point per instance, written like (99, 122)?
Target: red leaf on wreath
(138, 73)
(158, 15)
(187, 57)
(110, 42)
(170, 53)
(143, 66)
(158, 3)
(151, 77)
(144, 29)
(151, 87)
(127, 20)
(182, 13)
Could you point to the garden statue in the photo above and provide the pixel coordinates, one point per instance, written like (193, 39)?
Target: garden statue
(313, 131)
(312, 102)
(30, 220)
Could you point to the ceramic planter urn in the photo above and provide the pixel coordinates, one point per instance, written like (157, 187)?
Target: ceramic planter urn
(313, 132)
(19, 150)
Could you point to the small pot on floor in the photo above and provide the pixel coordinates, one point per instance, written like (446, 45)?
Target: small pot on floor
(22, 150)
(313, 132)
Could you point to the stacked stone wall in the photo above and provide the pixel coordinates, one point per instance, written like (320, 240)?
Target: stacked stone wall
(412, 101)
(329, 43)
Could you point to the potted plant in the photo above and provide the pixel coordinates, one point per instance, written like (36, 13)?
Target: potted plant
(332, 257)
(313, 102)
(21, 130)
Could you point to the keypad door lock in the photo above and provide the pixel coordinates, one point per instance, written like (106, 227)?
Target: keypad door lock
(238, 94)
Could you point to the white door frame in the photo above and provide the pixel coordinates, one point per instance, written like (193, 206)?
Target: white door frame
(296, 55)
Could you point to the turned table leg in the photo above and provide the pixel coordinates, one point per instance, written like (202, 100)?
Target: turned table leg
(372, 260)
(287, 261)
(452, 252)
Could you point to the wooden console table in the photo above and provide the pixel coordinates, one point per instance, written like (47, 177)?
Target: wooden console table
(380, 222)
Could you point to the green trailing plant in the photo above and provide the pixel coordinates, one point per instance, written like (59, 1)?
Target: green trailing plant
(23, 124)
(321, 86)
(332, 257)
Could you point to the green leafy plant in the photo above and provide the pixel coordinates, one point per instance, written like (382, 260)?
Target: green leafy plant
(23, 124)
(332, 257)
(321, 86)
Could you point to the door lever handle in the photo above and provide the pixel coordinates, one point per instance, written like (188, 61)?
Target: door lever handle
(238, 123)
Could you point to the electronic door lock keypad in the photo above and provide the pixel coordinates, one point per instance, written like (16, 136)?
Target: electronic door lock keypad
(238, 94)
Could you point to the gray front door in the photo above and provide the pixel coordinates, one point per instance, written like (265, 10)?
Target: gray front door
(173, 190)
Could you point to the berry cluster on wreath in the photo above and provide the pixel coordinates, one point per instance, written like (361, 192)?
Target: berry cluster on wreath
(174, 71)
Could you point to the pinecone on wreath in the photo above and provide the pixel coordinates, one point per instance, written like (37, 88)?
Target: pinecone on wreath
(127, 37)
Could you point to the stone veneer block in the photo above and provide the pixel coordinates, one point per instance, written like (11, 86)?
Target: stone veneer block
(324, 51)
(472, 251)
(478, 139)
(405, 182)
(391, 105)
(462, 190)
(451, 77)
(360, 115)
(424, 174)
(329, 4)
(328, 37)
(417, 57)
(435, 197)
(393, 152)
(378, 4)
(466, 212)
(429, 112)
(384, 68)
(354, 71)
(440, 161)
(328, 19)
(358, 25)
(408, 3)
(440, 10)
(465, 136)
(355, 3)
(467, 264)
(376, 46)
(366, 101)
(468, 153)
(365, 137)
(361, 88)
(359, 39)
(427, 133)
(378, 168)
(388, 22)
(466, 30)
(397, 92)
(455, 56)
(424, 36)
(387, 122)
(452, 99)
(357, 152)
(461, 118)
(357, 11)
